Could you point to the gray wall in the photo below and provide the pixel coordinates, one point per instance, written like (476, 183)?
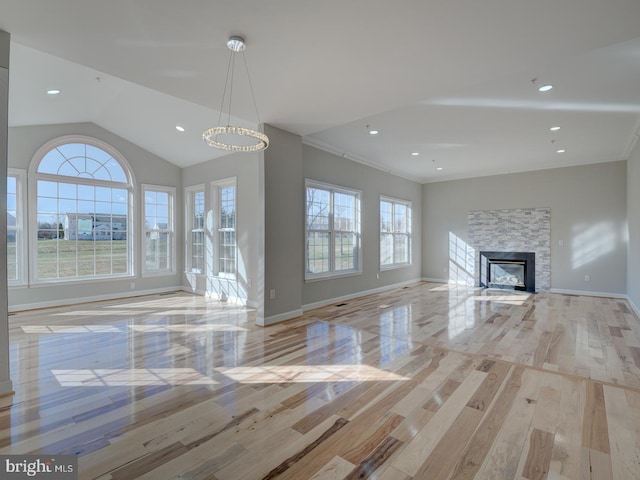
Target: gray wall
(326, 167)
(244, 167)
(5, 381)
(282, 183)
(588, 214)
(147, 168)
(633, 216)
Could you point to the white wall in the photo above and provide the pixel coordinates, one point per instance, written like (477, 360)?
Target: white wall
(326, 167)
(633, 216)
(147, 169)
(588, 215)
(244, 167)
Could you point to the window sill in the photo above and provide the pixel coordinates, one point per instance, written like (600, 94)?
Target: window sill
(66, 281)
(332, 276)
(395, 266)
(161, 273)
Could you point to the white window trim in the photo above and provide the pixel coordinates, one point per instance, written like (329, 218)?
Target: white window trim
(32, 202)
(409, 205)
(171, 229)
(189, 193)
(216, 186)
(314, 277)
(21, 227)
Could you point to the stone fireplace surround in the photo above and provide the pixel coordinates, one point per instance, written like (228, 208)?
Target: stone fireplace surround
(517, 230)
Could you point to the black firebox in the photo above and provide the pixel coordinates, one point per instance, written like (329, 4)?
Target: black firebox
(508, 270)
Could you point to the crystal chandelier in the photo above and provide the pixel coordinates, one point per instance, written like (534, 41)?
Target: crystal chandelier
(219, 136)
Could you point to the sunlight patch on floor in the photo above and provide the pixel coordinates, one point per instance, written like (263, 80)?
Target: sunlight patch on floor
(129, 377)
(188, 328)
(308, 374)
(40, 329)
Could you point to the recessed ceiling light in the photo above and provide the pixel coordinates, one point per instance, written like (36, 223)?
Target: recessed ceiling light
(53, 91)
(562, 150)
(439, 168)
(180, 128)
(554, 129)
(373, 132)
(415, 154)
(545, 88)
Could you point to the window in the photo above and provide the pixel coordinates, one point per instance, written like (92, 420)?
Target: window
(159, 237)
(16, 260)
(195, 229)
(395, 233)
(81, 227)
(332, 231)
(225, 246)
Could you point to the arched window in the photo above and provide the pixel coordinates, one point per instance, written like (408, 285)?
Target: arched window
(83, 190)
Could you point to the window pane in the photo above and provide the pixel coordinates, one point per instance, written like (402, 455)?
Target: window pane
(386, 216)
(395, 232)
(345, 251)
(197, 252)
(12, 185)
(401, 248)
(318, 252)
(386, 249)
(344, 214)
(158, 238)
(12, 255)
(198, 210)
(400, 220)
(318, 207)
(227, 247)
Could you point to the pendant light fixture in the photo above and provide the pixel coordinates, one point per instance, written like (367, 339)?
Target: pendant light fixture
(246, 139)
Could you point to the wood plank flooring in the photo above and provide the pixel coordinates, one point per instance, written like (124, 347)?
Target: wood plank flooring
(429, 381)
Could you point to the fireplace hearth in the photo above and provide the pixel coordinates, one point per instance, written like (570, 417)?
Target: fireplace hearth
(508, 270)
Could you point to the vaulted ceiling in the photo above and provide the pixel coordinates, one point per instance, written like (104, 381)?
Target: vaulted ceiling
(455, 82)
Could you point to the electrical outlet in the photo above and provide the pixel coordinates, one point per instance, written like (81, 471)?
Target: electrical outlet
(132, 285)
(587, 278)
(272, 294)
(561, 243)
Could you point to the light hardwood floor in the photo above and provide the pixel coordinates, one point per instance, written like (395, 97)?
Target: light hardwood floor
(430, 381)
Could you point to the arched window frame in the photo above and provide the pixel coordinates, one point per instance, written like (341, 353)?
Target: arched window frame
(34, 176)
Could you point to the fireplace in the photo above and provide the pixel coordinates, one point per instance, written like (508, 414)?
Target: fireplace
(508, 270)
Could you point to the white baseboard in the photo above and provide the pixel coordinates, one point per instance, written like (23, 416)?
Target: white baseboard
(633, 306)
(587, 293)
(281, 317)
(322, 303)
(6, 387)
(94, 298)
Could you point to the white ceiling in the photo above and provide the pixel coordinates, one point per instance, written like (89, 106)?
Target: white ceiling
(450, 79)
